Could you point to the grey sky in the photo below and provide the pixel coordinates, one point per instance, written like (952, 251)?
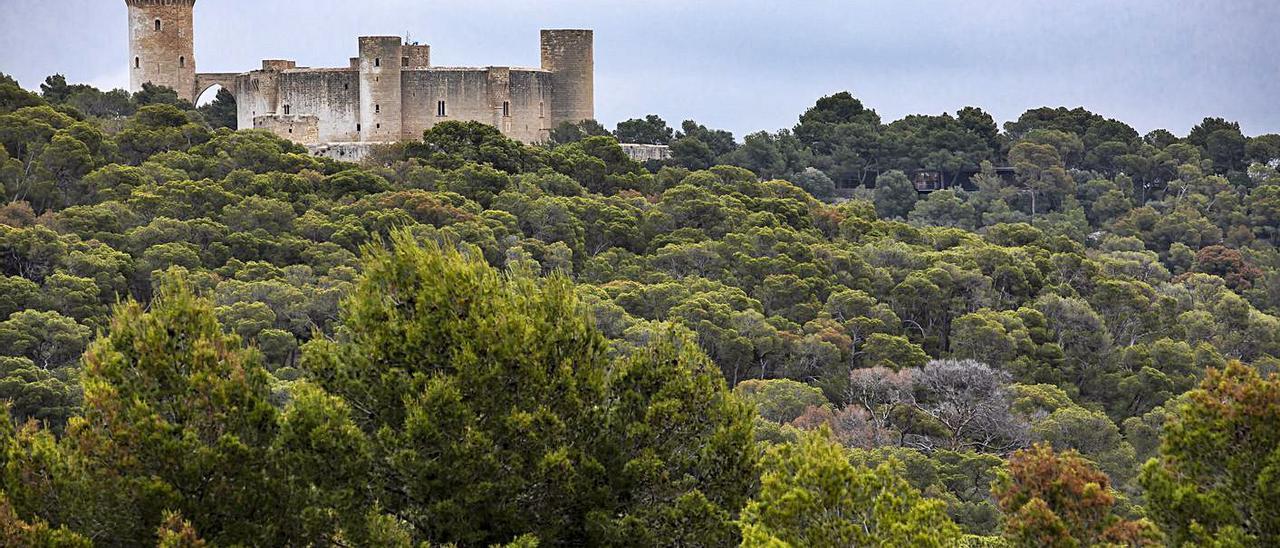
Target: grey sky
(748, 65)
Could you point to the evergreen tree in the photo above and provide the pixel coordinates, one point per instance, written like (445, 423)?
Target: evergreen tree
(486, 400)
(16, 532)
(177, 417)
(1217, 474)
(1062, 500)
(681, 451)
(810, 495)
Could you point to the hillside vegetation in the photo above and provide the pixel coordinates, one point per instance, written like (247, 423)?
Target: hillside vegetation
(212, 336)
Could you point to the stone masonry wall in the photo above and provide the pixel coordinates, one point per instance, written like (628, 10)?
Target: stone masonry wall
(390, 92)
(380, 97)
(162, 45)
(299, 129)
(329, 94)
(570, 57)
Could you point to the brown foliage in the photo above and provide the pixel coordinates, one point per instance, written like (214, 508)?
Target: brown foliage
(1061, 499)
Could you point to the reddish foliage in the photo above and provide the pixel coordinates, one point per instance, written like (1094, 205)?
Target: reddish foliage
(1229, 264)
(1062, 500)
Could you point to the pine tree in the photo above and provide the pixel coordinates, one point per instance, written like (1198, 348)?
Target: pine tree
(176, 418)
(1218, 471)
(682, 454)
(481, 393)
(491, 418)
(811, 495)
(1063, 500)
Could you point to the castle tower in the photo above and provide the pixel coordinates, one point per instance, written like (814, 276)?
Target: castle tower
(380, 97)
(569, 55)
(162, 45)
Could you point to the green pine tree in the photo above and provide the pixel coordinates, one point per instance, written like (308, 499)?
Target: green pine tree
(811, 495)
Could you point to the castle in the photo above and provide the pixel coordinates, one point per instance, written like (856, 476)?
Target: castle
(390, 92)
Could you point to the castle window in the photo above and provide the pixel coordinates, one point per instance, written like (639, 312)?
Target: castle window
(377, 61)
(357, 127)
(404, 61)
(286, 109)
(137, 62)
(440, 108)
(157, 25)
(377, 126)
(377, 109)
(182, 61)
(506, 109)
(290, 130)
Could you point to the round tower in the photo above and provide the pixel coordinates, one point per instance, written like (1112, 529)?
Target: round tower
(380, 99)
(162, 45)
(569, 55)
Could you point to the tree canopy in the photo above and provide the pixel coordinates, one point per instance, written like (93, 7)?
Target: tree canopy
(208, 335)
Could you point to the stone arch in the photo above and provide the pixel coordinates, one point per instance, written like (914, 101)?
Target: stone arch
(207, 80)
(206, 95)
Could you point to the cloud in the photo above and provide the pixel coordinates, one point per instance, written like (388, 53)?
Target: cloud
(748, 65)
(111, 80)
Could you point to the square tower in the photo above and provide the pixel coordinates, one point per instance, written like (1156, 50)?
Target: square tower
(569, 55)
(162, 45)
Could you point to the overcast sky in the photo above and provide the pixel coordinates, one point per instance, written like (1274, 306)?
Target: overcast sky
(748, 65)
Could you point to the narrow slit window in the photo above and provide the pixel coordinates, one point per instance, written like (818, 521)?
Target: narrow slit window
(378, 126)
(137, 62)
(157, 25)
(357, 127)
(377, 61)
(182, 62)
(440, 108)
(377, 109)
(506, 109)
(286, 109)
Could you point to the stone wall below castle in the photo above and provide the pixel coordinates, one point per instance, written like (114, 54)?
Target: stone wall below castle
(299, 129)
(645, 153)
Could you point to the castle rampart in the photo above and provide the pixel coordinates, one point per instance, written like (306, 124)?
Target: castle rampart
(389, 92)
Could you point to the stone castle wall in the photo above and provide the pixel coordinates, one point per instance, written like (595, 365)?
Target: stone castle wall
(162, 46)
(570, 56)
(647, 153)
(389, 92)
(513, 100)
(330, 95)
(301, 129)
(379, 98)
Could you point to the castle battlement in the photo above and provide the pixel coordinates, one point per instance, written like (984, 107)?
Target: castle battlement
(389, 92)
